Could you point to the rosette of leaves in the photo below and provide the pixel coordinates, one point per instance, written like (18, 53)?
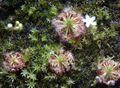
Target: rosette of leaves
(69, 25)
(61, 61)
(108, 72)
(13, 61)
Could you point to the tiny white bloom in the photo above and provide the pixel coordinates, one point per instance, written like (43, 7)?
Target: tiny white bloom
(16, 28)
(17, 22)
(9, 25)
(20, 25)
(89, 20)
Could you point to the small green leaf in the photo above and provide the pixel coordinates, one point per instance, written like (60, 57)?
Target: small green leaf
(44, 38)
(24, 73)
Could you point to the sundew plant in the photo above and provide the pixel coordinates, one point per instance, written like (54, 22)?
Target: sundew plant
(59, 44)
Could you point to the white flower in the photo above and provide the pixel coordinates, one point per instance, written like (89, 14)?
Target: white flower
(89, 20)
(20, 26)
(9, 25)
(17, 22)
(16, 28)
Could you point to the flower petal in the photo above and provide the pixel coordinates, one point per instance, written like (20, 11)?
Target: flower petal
(93, 18)
(87, 16)
(87, 25)
(84, 20)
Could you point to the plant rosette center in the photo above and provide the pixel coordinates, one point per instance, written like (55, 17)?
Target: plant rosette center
(69, 25)
(108, 72)
(61, 63)
(13, 61)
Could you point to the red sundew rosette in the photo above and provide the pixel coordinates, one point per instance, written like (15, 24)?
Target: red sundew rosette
(102, 72)
(13, 61)
(63, 66)
(78, 28)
